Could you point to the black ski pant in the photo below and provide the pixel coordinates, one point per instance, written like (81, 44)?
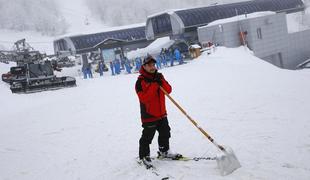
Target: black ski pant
(149, 129)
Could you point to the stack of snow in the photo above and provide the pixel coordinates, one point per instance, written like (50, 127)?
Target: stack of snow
(241, 17)
(153, 49)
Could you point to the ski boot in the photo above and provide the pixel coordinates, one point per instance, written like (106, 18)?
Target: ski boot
(147, 162)
(168, 155)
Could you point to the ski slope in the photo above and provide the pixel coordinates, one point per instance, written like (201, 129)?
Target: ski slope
(92, 131)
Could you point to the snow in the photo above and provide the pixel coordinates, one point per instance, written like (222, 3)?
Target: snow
(42, 43)
(154, 48)
(295, 21)
(92, 131)
(195, 46)
(239, 18)
(77, 14)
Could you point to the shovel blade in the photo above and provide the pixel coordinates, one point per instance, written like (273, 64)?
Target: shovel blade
(227, 162)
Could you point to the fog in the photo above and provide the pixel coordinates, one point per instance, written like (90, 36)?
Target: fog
(123, 12)
(46, 16)
(36, 15)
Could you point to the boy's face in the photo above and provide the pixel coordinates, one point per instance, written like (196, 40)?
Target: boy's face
(150, 67)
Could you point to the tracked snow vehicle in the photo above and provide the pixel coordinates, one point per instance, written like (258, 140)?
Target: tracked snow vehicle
(35, 77)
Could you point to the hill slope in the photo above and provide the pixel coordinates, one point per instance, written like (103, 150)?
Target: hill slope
(92, 131)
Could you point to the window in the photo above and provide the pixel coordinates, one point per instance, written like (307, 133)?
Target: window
(259, 33)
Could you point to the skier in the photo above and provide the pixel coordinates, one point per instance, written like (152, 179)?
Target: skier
(100, 68)
(117, 65)
(153, 111)
(163, 57)
(112, 67)
(127, 65)
(158, 62)
(89, 70)
(138, 63)
(171, 56)
(178, 56)
(84, 70)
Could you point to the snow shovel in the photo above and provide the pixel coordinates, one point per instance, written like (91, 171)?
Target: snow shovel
(227, 162)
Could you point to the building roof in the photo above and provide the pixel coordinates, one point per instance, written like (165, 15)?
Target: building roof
(193, 17)
(91, 40)
(188, 18)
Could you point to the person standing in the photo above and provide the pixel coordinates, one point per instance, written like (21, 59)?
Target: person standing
(171, 56)
(89, 70)
(138, 63)
(158, 62)
(100, 68)
(153, 111)
(178, 56)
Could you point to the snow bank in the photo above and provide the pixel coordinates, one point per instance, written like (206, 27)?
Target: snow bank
(92, 131)
(240, 17)
(154, 48)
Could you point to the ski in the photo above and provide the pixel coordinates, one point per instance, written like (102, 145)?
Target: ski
(184, 158)
(152, 169)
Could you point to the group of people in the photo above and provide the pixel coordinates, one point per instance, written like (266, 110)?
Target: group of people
(166, 56)
(170, 55)
(87, 71)
(118, 65)
(164, 59)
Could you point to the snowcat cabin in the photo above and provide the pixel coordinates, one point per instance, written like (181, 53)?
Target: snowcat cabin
(18, 71)
(40, 77)
(40, 70)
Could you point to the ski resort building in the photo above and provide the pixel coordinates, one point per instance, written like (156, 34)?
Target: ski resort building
(122, 39)
(267, 36)
(183, 24)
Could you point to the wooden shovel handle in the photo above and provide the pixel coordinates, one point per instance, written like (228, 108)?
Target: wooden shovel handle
(191, 119)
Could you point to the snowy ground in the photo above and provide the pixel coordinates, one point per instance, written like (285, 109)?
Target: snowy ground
(92, 131)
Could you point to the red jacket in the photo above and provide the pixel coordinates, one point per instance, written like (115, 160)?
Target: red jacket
(152, 99)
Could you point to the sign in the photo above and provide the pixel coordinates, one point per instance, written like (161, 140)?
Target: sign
(108, 55)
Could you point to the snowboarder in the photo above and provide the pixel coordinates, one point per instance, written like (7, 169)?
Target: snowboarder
(153, 111)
